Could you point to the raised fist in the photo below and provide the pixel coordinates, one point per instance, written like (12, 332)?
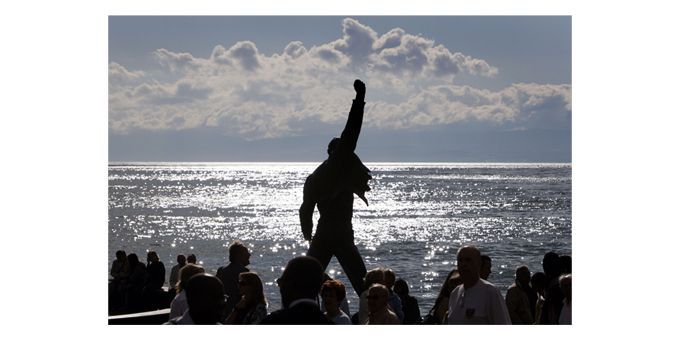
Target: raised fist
(359, 86)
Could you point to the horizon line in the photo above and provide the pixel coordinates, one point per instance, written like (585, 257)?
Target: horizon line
(318, 162)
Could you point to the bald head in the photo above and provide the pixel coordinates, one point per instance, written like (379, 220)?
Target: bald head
(469, 263)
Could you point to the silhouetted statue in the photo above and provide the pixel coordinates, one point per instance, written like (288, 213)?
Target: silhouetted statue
(331, 187)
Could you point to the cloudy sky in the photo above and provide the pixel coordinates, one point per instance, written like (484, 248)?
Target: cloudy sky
(249, 88)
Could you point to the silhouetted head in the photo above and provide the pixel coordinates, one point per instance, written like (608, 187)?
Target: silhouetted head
(205, 298)
(469, 264)
(249, 283)
(565, 264)
(401, 287)
(389, 278)
(191, 258)
(238, 253)
(302, 278)
(120, 256)
(523, 275)
(551, 265)
(186, 273)
(538, 282)
(152, 257)
(485, 269)
(333, 292)
(133, 260)
(377, 298)
(374, 276)
(181, 259)
(333, 145)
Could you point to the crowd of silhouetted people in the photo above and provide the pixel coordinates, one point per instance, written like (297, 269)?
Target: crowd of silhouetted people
(235, 295)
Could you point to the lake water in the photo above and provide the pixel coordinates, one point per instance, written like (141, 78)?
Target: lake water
(419, 214)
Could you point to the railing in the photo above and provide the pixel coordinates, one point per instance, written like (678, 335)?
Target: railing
(155, 317)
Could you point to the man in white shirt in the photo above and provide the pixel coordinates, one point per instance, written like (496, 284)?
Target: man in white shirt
(476, 301)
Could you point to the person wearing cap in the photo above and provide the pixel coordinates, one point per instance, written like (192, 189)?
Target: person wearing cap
(331, 188)
(299, 286)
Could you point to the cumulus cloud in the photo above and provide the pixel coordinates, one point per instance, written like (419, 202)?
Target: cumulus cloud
(294, 49)
(328, 54)
(410, 79)
(357, 41)
(120, 75)
(517, 104)
(243, 54)
(176, 61)
(390, 39)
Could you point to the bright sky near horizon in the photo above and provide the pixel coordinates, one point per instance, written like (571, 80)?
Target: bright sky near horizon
(255, 88)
